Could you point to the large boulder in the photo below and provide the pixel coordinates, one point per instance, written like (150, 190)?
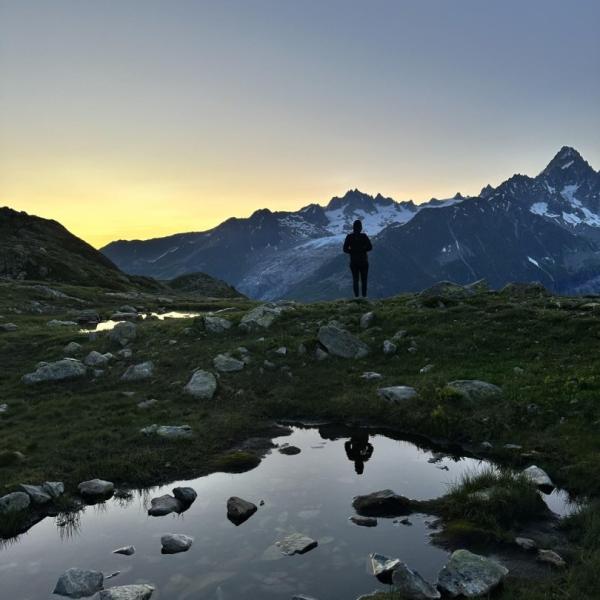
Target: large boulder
(384, 503)
(14, 502)
(202, 385)
(37, 494)
(127, 592)
(470, 575)
(261, 317)
(411, 585)
(123, 333)
(227, 364)
(475, 390)
(79, 583)
(96, 489)
(339, 342)
(397, 394)
(239, 510)
(139, 372)
(60, 370)
(216, 324)
(164, 505)
(172, 543)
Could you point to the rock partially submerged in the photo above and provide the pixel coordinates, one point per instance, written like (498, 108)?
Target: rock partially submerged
(397, 394)
(60, 370)
(239, 510)
(164, 505)
(363, 521)
(296, 543)
(411, 585)
(186, 495)
(172, 543)
(125, 550)
(381, 565)
(127, 592)
(79, 583)
(202, 385)
(470, 575)
(339, 342)
(384, 503)
(96, 489)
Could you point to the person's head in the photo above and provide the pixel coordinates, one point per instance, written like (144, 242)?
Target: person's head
(357, 226)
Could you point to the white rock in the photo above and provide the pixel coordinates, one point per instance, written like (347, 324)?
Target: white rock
(538, 476)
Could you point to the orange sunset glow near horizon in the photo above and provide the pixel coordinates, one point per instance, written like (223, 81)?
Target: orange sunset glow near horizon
(131, 120)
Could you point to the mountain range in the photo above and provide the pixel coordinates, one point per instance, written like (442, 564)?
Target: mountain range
(544, 228)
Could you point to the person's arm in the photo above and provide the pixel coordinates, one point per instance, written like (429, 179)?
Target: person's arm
(368, 245)
(347, 245)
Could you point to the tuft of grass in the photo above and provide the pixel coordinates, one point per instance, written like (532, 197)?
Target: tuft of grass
(236, 462)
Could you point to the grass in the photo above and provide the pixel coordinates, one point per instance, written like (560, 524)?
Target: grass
(78, 430)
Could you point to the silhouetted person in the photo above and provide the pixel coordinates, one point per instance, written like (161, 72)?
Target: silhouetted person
(359, 450)
(357, 244)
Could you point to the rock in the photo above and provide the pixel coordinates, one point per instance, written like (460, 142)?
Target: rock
(216, 324)
(239, 510)
(127, 592)
(399, 335)
(72, 348)
(164, 505)
(486, 445)
(445, 290)
(125, 550)
(147, 403)
(54, 489)
(518, 371)
(538, 476)
(552, 558)
(525, 543)
(125, 353)
(79, 583)
(88, 315)
(96, 489)
(57, 323)
(411, 585)
(123, 333)
(340, 342)
(3, 408)
(397, 394)
(371, 375)
(301, 349)
(202, 385)
(139, 372)
(227, 364)
(389, 347)
(8, 327)
(261, 317)
(426, 369)
(282, 351)
(533, 289)
(14, 502)
(37, 494)
(172, 543)
(185, 495)
(95, 359)
(474, 390)
(320, 354)
(125, 316)
(363, 521)
(367, 319)
(296, 543)
(470, 575)
(60, 370)
(302, 597)
(168, 431)
(384, 503)
(289, 450)
(382, 566)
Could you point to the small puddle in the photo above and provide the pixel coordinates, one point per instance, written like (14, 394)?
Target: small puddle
(110, 324)
(309, 493)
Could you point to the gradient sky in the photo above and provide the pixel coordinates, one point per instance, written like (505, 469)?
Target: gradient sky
(140, 118)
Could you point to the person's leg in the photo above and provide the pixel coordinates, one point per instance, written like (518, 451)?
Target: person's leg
(355, 272)
(364, 276)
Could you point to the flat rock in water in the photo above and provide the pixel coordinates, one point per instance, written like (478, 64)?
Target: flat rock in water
(127, 592)
(79, 583)
(470, 575)
(239, 510)
(139, 372)
(227, 364)
(339, 342)
(125, 550)
(411, 585)
(475, 390)
(296, 543)
(381, 565)
(384, 503)
(36, 493)
(164, 505)
(216, 324)
(187, 495)
(397, 394)
(14, 502)
(172, 543)
(96, 488)
(538, 476)
(202, 385)
(289, 450)
(363, 521)
(60, 370)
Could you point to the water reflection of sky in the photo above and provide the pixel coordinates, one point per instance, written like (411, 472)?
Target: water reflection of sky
(310, 493)
(110, 324)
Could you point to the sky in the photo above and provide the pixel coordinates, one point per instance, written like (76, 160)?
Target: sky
(132, 119)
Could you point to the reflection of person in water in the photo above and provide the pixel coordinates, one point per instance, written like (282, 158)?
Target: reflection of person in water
(359, 450)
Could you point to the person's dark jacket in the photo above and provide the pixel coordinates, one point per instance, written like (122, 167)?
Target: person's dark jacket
(357, 245)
